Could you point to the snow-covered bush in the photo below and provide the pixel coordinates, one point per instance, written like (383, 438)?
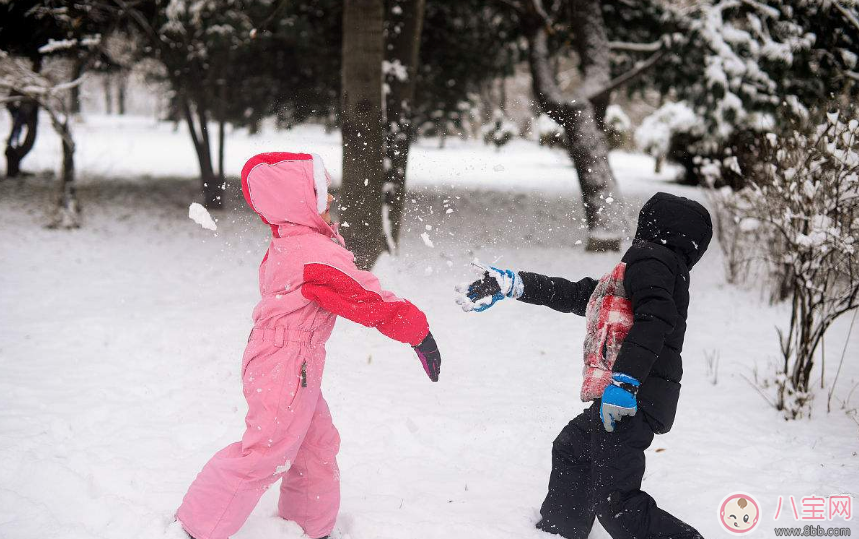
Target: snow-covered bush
(617, 127)
(737, 235)
(499, 131)
(661, 130)
(804, 205)
(549, 133)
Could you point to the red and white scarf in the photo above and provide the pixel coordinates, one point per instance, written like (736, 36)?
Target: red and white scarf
(609, 318)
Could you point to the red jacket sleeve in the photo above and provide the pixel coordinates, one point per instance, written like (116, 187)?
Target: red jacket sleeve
(357, 295)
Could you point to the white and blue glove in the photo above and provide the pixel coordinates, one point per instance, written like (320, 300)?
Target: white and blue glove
(493, 286)
(618, 400)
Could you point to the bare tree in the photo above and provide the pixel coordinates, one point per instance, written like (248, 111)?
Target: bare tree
(404, 25)
(362, 129)
(582, 116)
(22, 83)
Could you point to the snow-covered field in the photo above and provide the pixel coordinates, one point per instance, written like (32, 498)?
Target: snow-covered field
(120, 346)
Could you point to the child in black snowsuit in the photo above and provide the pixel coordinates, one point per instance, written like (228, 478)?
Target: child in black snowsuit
(636, 324)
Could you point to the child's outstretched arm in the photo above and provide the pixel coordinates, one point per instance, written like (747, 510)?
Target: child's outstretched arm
(496, 284)
(357, 295)
(556, 292)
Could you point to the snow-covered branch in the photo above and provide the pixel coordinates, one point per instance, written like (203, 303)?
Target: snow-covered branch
(630, 75)
(635, 47)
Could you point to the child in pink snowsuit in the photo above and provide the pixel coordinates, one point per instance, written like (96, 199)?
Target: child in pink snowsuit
(307, 278)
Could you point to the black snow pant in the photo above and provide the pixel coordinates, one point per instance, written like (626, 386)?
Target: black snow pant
(597, 474)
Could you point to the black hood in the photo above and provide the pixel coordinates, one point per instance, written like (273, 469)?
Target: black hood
(678, 223)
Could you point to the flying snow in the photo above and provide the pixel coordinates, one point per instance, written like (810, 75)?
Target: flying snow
(200, 215)
(427, 240)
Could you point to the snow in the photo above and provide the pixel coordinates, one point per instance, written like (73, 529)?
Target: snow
(426, 239)
(395, 70)
(656, 130)
(121, 345)
(201, 216)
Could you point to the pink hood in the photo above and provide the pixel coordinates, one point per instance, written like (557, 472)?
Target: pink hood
(289, 191)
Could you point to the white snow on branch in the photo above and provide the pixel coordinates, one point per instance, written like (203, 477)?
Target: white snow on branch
(55, 45)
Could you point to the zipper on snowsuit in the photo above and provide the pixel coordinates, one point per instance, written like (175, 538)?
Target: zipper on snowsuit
(304, 374)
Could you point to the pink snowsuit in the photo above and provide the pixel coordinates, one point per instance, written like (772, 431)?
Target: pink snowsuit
(307, 278)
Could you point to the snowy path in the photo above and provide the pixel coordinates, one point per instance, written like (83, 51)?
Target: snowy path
(120, 346)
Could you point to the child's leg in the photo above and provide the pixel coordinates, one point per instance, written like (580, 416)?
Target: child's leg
(279, 413)
(310, 491)
(567, 509)
(624, 510)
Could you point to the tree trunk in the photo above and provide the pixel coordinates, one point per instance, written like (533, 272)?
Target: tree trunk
(222, 103)
(107, 84)
(121, 85)
(361, 126)
(221, 130)
(75, 93)
(581, 119)
(502, 94)
(67, 211)
(402, 45)
(588, 149)
(28, 118)
(212, 188)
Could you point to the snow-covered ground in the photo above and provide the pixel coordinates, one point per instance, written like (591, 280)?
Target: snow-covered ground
(120, 347)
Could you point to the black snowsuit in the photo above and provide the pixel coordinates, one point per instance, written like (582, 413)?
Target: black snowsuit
(596, 473)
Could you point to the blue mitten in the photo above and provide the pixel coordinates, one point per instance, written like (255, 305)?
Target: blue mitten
(618, 400)
(494, 285)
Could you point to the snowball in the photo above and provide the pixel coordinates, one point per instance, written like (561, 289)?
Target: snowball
(199, 214)
(427, 240)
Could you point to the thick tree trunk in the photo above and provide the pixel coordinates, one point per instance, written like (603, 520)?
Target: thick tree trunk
(362, 130)
(403, 41)
(581, 119)
(588, 150)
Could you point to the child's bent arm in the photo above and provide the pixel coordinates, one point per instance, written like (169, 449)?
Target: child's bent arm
(358, 296)
(557, 293)
(650, 285)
